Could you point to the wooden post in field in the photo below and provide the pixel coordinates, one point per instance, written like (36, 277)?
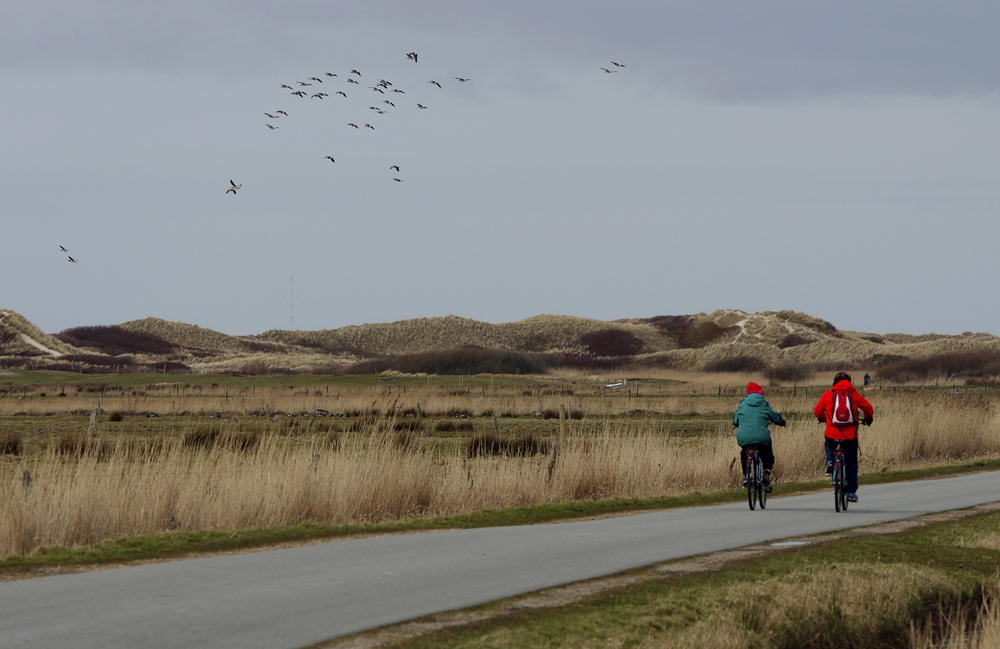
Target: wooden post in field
(93, 416)
(553, 454)
(26, 480)
(496, 426)
(562, 423)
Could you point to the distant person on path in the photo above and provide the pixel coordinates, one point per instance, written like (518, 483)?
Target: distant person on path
(838, 409)
(868, 379)
(752, 417)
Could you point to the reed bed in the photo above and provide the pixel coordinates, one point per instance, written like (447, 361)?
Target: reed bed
(378, 474)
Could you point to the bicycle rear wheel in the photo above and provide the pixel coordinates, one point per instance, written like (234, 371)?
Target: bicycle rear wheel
(761, 491)
(751, 491)
(843, 489)
(837, 485)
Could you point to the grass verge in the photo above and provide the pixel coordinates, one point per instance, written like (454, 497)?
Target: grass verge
(176, 544)
(866, 591)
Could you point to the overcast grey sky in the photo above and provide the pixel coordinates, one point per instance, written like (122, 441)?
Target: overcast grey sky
(839, 159)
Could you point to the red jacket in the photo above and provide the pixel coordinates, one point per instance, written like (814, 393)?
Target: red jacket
(825, 406)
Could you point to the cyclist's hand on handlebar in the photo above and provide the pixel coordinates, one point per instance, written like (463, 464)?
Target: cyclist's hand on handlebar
(867, 421)
(820, 420)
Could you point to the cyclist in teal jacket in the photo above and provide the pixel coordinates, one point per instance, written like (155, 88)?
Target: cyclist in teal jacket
(752, 417)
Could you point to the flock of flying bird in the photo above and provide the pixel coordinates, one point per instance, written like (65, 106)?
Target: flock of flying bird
(388, 100)
(382, 87)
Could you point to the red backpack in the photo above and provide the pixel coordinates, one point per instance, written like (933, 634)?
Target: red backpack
(843, 410)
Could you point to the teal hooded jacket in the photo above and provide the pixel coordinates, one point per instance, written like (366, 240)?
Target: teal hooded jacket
(753, 415)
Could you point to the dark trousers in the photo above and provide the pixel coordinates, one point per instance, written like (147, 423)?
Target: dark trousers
(850, 448)
(766, 456)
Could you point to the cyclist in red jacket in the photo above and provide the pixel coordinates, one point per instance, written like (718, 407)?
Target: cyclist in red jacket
(838, 409)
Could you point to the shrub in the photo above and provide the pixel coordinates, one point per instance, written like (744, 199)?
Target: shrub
(458, 361)
(788, 373)
(582, 362)
(793, 340)
(117, 415)
(203, 437)
(687, 332)
(611, 342)
(10, 444)
(410, 424)
(742, 364)
(488, 444)
(973, 366)
(445, 426)
(240, 440)
(115, 341)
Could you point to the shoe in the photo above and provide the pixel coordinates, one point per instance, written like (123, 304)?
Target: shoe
(744, 481)
(829, 468)
(852, 498)
(766, 481)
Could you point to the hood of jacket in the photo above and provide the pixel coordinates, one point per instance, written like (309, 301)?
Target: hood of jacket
(755, 399)
(844, 385)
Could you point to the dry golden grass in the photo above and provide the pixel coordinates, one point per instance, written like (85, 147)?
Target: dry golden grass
(963, 628)
(375, 475)
(858, 597)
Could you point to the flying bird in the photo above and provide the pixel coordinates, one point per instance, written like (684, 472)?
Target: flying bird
(273, 128)
(320, 95)
(609, 71)
(64, 249)
(303, 83)
(351, 81)
(617, 65)
(282, 112)
(461, 79)
(340, 92)
(355, 72)
(399, 91)
(352, 124)
(386, 101)
(299, 93)
(421, 107)
(435, 83)
(315, 79)
(397, 180)
(233, 187)
(396, 167)
(412, 56)
(272, 116)
(71, 260)
(330, 74)
(287, 86)
(330, 158)
(370, 126)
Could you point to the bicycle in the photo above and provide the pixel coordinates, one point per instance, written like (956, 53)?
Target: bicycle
(754, 475)
(839, 479)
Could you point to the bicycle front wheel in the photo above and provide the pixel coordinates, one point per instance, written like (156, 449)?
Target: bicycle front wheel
(751, 491)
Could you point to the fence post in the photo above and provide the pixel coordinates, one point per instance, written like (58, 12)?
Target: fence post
(93, 416)
(562, 423)
(553, 453)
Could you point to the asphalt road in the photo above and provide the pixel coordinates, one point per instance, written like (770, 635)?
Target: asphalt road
(300, 596)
